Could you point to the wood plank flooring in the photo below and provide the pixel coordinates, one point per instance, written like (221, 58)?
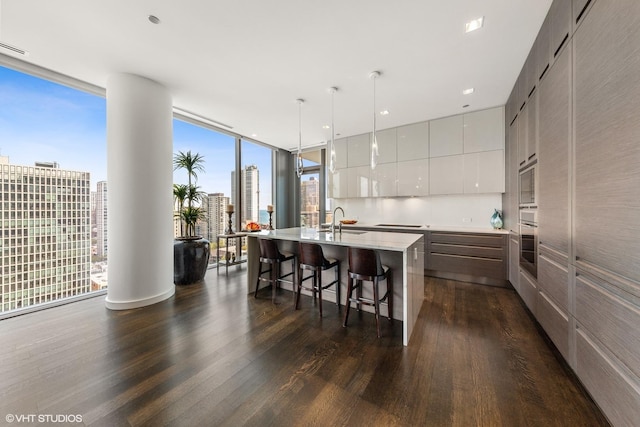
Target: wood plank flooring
(213, 356)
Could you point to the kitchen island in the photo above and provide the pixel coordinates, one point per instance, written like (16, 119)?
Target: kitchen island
(403, 253)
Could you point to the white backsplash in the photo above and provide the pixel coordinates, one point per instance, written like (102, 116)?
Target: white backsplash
(466, 210)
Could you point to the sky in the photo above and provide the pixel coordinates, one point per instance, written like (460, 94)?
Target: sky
(48, 122)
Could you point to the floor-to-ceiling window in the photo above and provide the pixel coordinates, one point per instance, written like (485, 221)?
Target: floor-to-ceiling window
(54, 189)
(312, 190)
(257, 183)
(53, 234)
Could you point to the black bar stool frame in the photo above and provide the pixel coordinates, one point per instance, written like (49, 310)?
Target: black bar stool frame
(269, 254)
(365, 265)
(312, 258)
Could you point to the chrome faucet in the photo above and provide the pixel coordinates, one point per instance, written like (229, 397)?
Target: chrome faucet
(333, 219)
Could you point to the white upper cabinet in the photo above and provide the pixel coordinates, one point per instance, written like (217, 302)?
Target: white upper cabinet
(337, 184)
(341, 153)
(484, 172)
(413, 178)
(386, 145)
(358, 151)
(446, 136)
(358, 181)
(413, 141)
(484, 130)
(383, 180)
(446, 175)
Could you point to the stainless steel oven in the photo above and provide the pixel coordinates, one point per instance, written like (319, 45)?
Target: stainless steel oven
(529, 241)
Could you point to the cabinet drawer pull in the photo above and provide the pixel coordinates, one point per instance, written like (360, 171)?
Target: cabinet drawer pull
(531, 156)
(564, 40)
(544, 72)
(586, 5)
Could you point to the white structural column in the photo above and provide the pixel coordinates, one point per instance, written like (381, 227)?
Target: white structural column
(140, 202)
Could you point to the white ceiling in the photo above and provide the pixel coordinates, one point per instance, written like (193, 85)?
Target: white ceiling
(245, 62)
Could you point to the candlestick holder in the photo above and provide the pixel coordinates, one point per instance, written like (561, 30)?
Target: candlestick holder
(270, 223)
(229, 230)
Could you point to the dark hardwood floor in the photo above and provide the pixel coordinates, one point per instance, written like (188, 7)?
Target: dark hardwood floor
(212, 356)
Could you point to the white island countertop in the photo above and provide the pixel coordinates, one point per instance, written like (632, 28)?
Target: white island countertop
(387, 241)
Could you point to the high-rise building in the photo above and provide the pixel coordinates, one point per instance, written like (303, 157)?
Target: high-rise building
(45, 250)
(310, 198)
(250, 192)
(202, 225)
(101, 219)
(216, 214)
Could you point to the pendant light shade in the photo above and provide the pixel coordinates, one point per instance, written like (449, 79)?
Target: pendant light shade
(299, 168)
(374, 142)
(332, 145)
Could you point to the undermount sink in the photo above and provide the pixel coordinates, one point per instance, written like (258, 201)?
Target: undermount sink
(401, 225)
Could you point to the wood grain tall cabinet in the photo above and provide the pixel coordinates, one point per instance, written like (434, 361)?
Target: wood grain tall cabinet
(586, 97)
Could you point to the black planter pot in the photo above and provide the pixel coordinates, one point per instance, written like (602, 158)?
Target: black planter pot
(190, 259)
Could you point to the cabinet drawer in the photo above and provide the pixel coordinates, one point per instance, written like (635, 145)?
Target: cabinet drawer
(612, 320)
(554, 280)
(528, 290)
(492, 240)
(555, 322)
(616, 394)
(472, 251)
(483, 267)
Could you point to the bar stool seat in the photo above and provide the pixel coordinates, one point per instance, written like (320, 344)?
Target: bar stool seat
(365, 266)
(271, 255)
(312, 258)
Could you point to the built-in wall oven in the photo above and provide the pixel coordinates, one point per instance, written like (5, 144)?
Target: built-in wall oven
(529, 240)
(527, 187)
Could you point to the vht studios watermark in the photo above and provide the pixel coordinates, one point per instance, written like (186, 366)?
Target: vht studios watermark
(43, 418)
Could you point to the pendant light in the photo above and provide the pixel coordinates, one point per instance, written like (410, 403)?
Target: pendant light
(299, 168)
(332, 145)
(374, 142)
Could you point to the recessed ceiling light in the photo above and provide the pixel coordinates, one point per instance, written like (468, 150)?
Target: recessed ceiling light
(468, 91)
(154, 19)
(474, 24)
(465, 105)
(253, 135)
(384, 112)
(326, 127)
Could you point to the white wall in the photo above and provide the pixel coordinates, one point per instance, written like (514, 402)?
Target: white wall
(449, 210)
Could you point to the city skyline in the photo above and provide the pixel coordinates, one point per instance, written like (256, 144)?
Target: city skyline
(49, 122)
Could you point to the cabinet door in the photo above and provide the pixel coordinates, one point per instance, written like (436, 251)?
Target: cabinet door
(358, 150)
(553, 278)
(341, 153)
(413, 142)
(413, 178)
(514, 261)
(446, 175)
(510, 209)
(553, 158)
(560, 25)
(445, 136)
(337, 184)
(386, 145)
(532, 127)
(607, 125)
(484, 130)
(554, 321)
(522, 136)
(358, 181)
(383, 180)
(543, 48)
(484, 172)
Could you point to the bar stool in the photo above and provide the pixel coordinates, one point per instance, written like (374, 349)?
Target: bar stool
(312, 258)
(365, 265)
(269, 254)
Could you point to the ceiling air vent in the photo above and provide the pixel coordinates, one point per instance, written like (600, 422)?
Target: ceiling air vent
(13, 49)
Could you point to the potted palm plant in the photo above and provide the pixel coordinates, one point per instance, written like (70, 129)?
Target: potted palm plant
(190, 252)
